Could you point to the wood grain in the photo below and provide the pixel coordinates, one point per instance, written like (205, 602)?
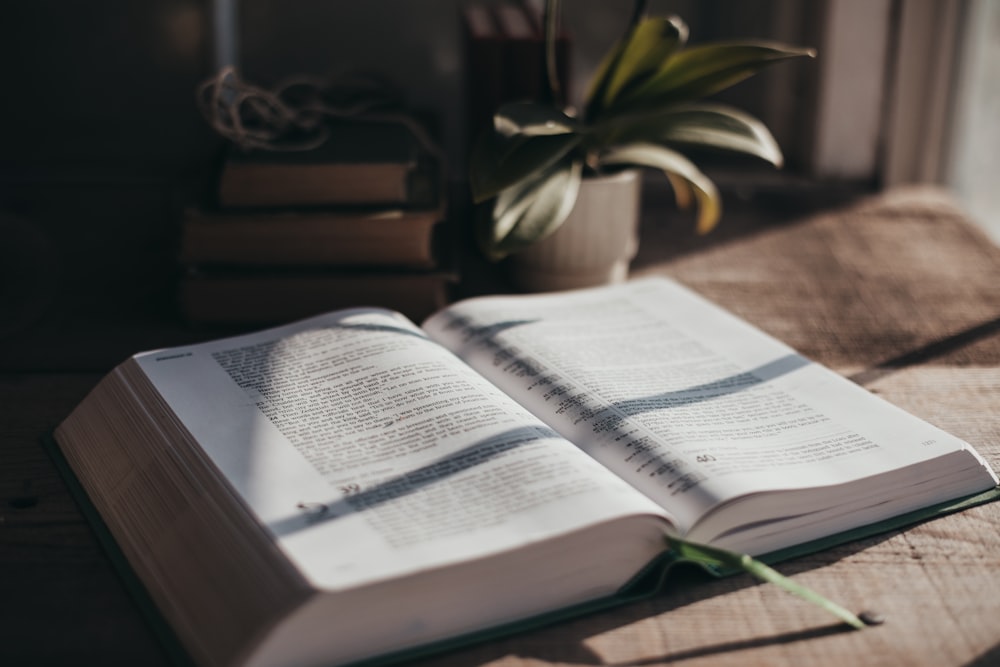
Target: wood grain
(898, 292)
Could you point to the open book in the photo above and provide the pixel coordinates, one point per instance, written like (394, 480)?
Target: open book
(353, 485)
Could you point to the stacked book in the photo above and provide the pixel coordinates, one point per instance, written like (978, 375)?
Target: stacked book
(503, 41)
(359, 221)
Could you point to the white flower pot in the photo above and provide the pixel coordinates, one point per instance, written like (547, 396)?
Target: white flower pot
(595, 244)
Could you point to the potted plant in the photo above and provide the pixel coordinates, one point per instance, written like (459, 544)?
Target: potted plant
(543, 165)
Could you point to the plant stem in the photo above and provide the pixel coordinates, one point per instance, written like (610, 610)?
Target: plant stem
(550, 19)
(638, 11)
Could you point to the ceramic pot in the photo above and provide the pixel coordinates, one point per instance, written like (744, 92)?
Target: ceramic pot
(595, 244)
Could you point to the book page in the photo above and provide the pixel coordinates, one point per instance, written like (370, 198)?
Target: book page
(370, 451)
(690, 404)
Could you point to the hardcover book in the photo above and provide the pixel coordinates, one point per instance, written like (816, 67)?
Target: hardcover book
(361, 163)
(211, 294)
(356, 487)
(405, 238)
(505, 59)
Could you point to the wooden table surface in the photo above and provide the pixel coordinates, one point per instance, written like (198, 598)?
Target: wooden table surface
(896, 291)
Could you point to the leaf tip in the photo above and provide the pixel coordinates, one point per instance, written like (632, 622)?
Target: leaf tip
(680, 28)
(869, 617)
(707, 221)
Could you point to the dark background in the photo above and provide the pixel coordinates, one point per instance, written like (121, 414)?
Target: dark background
(102, 143)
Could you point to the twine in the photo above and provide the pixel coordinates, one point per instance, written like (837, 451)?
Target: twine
(295, 115)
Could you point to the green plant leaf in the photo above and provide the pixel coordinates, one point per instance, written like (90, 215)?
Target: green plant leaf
(699, 71)
(528, 212)
(710, 125)
(720, 559)
(601, 79)
(498, 162)
(683, 193)
(660, 157)
(531, 119)
(645, 49)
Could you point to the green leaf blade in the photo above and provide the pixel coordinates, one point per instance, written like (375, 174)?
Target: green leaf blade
(672, 162)
(600, 81)
(708, 125)
(700, 71)
(722, 560)
(530, 211)
(531, 119)
(499, 162)
(646, 48)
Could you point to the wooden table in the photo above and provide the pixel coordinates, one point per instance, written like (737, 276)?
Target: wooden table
(898, 292)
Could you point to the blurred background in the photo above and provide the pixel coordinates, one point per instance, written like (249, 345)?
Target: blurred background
(101, 142)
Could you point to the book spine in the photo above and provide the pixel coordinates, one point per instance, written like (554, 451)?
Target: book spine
(484, 79)
(523, 54)
(390, 239)
(265, 185)
(259, 299)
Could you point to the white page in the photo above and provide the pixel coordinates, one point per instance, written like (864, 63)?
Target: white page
(689, 403)
(370, 451)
